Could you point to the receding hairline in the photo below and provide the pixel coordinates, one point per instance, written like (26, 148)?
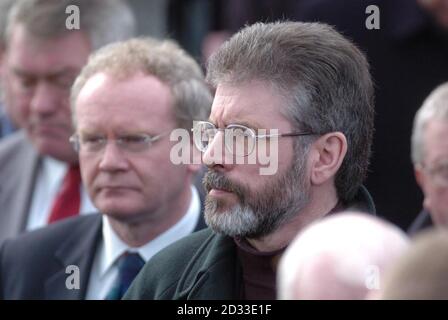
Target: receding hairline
(103, 22)
(434, 107)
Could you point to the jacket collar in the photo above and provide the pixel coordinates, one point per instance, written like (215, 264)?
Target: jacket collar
(217, 267)
(78, 249)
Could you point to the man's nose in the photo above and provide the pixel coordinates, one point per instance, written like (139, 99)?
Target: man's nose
(46, 99)
(112, 158)
(216, 154)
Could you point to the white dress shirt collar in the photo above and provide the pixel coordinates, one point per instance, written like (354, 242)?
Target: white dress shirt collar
(113, 247)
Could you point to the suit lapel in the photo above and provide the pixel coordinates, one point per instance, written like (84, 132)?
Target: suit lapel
(77, 250)
(220, 282)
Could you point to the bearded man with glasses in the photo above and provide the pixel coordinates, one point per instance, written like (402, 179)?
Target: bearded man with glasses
(302, 92)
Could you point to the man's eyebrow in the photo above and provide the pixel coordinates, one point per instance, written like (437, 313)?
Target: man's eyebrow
(57, 73)
(22, 73)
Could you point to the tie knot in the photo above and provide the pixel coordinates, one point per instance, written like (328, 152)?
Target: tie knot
(73, 174)
(129, 265)
(130, 262)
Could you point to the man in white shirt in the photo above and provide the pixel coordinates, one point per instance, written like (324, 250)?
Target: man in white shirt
(126, 102)
(42, 58)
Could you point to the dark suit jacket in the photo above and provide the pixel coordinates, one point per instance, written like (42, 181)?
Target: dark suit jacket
(33, 265)
(423, 221)
(202, 266)
(18, 167)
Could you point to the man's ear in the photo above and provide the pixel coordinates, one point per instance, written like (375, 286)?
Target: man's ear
(421, 179)
(329, 152)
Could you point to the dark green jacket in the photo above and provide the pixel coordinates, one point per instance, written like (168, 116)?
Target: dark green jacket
(202, 266)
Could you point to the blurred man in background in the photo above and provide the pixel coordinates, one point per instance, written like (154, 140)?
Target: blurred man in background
(430, 158)
(344, 256)
(39, 169)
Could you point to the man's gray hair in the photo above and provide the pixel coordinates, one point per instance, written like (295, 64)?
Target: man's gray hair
(166, 61)
(104, 21)
(434, 107)
(323, 78)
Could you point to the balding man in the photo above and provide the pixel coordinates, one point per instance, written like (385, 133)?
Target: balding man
(340, 257)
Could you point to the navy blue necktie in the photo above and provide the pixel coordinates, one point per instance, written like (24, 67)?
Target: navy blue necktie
(129, 264)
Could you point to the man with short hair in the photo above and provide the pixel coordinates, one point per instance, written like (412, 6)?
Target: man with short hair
(126, 103)
(302, 94)
(429, 147)
(39, 172)
(341, 257)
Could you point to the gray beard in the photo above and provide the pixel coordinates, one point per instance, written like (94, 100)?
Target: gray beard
(262, 212)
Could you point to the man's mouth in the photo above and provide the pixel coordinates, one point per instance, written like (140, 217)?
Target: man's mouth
(218, 185)
(114, 188)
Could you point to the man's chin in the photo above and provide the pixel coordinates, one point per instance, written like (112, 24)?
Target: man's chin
(235, 221)
(118, 214)
(219, 205)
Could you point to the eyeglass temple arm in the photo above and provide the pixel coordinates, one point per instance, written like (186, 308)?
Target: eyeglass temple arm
(291, 134)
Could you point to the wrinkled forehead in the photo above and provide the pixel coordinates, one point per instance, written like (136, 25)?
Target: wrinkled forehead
(34, 54)
(136, 101)
(255, 104)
